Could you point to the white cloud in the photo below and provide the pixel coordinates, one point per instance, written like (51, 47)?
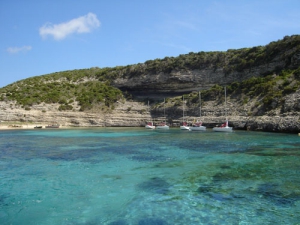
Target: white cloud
(14, 50)
(83, 24)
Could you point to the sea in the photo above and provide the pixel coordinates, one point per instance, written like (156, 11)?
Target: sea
(134, 176)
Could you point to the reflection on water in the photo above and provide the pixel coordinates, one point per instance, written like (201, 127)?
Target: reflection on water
(121, 176)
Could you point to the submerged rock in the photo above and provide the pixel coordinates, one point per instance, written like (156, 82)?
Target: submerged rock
(118, 222)
(205, 189)
(271, 193)
(156, 185)
(152, 221)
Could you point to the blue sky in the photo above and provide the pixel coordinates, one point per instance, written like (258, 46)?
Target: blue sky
(41, 37)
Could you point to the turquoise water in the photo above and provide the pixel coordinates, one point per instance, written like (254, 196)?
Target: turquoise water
(124, 176)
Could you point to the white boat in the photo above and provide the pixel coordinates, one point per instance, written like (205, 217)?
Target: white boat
(198, 125)
(224, 127)
(184, 125)
(149, 125)
(52, 126)
(163, 125)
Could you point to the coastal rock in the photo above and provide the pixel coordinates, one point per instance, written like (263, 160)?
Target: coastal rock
(156, 83)
(136, 114)
(159, 79)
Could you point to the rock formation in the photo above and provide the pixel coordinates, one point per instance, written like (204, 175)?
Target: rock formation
(136, 114)
(155, 80)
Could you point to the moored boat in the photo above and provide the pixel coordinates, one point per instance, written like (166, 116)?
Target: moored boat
(198, 126)
(184, 125)
(224, 127)
(52, 126)
(150, 125)
(163, 125)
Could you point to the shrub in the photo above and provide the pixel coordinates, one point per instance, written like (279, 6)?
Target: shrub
(289, 89)
(65, 107)
(297, 73)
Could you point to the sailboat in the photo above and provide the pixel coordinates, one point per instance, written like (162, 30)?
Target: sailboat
(163, 125)
(198, 125)
(224, 127)
(150, 124)
(184, 125)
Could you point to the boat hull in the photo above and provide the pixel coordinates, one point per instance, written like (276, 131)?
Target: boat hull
(165, 127)
(200, 128)
(222, 129)
(149, 127)
(52, 126)
(184, 128)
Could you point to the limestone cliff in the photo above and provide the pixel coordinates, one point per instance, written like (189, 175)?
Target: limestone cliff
(200, 71)
(92, 97)
(136, 114)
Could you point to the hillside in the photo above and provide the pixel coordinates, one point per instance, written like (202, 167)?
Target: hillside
(261, 81)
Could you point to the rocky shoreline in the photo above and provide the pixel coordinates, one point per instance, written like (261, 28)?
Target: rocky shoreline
(135, 114)
(170, 78)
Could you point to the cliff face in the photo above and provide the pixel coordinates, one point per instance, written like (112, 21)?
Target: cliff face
(222, 69)
(136, 114)
(68, 92)
(128, 114)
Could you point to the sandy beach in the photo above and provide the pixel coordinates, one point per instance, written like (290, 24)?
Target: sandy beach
(26, 126)
(18, 126)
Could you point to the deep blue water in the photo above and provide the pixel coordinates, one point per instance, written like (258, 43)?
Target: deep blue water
(124, 176)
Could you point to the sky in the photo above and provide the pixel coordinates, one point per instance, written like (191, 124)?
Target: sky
(47, 36)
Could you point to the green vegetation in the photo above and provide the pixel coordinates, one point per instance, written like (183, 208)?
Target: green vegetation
(87, 88)
(34, 91)
(270, 88)
(96, 92)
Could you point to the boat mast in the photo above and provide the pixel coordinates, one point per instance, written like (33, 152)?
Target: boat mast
(182, 109)
(225, 104)
(149, 112)
(165, 109)
(200, 104)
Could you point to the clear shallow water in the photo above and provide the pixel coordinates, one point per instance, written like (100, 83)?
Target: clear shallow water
(124, 176)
